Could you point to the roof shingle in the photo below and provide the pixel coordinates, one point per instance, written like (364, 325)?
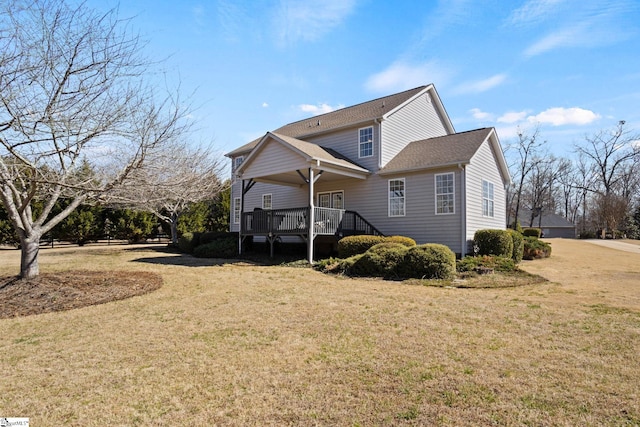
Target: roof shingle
(366, 111)
(438, 151)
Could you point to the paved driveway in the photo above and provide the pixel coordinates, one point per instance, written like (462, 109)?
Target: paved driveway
(617, 244)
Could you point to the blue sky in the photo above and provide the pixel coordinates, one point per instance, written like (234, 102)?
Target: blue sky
(570, 66)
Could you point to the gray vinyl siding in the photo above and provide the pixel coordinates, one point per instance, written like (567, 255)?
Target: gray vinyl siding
(417, 120)
(346, 142)
(370, 199)
(273, 158)
(483, 166)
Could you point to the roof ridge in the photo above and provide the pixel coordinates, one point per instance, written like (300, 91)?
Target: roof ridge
(354, 105)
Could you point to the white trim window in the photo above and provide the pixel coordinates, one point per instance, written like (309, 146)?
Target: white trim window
(397, 197)
(365, 142)
(487, 199)
(445, 193)
(332, 199)
(267, 200)
(236, 210)
(237, 162)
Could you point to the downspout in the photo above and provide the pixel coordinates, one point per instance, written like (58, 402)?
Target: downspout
(463, 211)
(379, 123)
(310, 236)
(240, 225)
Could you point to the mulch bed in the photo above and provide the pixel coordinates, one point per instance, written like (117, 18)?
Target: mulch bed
(71, 289)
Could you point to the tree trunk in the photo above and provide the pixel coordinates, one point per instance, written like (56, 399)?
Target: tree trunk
(30, 248)
(174, 228)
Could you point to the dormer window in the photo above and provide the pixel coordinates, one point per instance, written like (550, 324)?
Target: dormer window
(237, 162)
(365, 146)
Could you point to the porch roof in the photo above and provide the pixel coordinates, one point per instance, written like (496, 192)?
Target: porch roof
(284, 160)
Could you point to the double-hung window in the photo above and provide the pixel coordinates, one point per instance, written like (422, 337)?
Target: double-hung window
(236, 210)
(397, 197)
(487, 198)
(445, 193)
(266, 201)
(365, 138)
(237, 162)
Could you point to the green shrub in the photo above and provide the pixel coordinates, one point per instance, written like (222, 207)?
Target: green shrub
(518, 245)
(381, 260)
(535, 248)
(532, 232)
(428, 261)
(473, 263)
(226, 247)
(188, 242)
(493, 242)
(403, 240)
(353, 245)
(212, 236)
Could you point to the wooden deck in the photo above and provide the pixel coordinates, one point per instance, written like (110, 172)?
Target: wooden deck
(294, 222)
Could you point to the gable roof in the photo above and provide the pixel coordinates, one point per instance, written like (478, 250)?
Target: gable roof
(349, 116)
(439, 151)
(332, 163)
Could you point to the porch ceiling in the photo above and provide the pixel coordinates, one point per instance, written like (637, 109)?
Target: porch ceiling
(294, 179)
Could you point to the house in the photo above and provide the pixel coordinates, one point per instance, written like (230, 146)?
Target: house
(393, 166)
(551, 224)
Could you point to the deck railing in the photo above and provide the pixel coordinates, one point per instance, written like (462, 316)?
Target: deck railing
(294, 221)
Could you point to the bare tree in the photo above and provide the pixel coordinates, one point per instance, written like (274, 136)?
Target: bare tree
(527, 157)
(541, 185)
(71, 91)
(612, 157)
(171, 179)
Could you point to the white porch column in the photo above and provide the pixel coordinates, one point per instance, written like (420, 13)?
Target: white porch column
(311, 218)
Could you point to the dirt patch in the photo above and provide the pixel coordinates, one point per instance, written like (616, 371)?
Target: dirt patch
(72, 289)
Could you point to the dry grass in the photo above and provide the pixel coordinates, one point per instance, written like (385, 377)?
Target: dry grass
(240, 344)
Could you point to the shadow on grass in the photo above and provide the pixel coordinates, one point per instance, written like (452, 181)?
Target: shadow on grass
(174, 257)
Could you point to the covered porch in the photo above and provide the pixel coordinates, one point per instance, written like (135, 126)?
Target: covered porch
(290, 162)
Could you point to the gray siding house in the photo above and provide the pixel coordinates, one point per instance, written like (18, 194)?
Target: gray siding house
(393, 166)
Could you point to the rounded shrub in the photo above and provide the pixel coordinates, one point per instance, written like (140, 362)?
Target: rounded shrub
(381, 260)
(428, 261)
(493, 242)
(518, 245)
(535, 248)
(220, 248)
(403, 240)
(353, 245)
(532, 232)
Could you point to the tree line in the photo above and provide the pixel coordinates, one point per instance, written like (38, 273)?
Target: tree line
(92, 223)
(598, 188)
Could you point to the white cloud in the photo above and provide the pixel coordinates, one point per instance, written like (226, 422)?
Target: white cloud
(564, 116)
(265, 105)
(481, 85)
(512, 117)
(586, 24)
(533, 11)
(308, 20)
(319, 109)
(478, 114)
(402, 75)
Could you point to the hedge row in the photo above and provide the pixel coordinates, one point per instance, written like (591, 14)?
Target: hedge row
(218, 244)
